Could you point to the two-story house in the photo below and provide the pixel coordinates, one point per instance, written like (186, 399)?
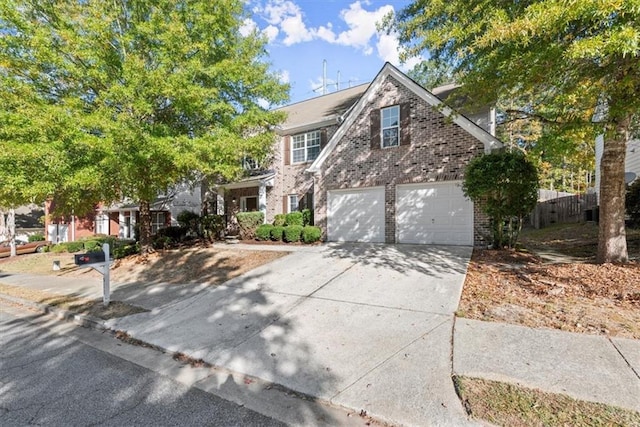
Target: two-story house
(381, 162)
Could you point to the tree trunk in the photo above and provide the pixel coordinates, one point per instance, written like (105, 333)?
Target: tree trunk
(612, 242)
(145, 228)
(11, 229)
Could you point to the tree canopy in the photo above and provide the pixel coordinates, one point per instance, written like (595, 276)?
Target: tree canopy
(573, 65)
(105, 101)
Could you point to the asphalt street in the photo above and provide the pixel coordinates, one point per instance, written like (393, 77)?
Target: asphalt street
(52, 378)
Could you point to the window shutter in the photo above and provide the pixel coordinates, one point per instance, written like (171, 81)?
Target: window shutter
(374, 117)
(405, 124)
(323, 138)
(285, 204)
(287, 150)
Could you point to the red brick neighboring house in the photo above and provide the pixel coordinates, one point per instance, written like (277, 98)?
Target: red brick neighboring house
(381, 162)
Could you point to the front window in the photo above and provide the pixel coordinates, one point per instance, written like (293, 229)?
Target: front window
(102, 223)
(250, 164)
(293, 202)
(305, 147)
(390, 124)
(248, 204)
(157, 221)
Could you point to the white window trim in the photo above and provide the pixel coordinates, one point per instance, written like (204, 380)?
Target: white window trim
(382, 128)
(243, 202)
(156, 224)
(289, 210)
(306, 147)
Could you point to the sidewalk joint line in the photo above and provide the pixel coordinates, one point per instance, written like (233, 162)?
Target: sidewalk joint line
(623, 357)
(388, 358)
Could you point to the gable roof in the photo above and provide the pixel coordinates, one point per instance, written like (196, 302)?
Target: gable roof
(490, 142)
(321, 110)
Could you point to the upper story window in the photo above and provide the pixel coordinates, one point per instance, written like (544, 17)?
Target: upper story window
(250, 164)
(390, 125)
(305, 147)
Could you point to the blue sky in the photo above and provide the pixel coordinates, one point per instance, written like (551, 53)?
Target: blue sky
(303, 33)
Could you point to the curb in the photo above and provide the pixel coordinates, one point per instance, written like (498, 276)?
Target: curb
(78, 319)
(98, 324)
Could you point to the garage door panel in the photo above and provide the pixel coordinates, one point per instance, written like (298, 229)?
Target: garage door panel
(433, 213)
(356, 215)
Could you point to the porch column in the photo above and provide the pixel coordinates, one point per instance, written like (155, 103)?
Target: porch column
(262, 201)
(121, 224)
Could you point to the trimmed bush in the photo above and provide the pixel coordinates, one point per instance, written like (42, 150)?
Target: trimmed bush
(294, 218)
(92, 245)
(122, 251)
(280, 220)
(307, 217)
(263, 232)
(36, 237)
(248, 223)
(190, 221)
(212, 226)
(292, 233)
(311, 234)
(68, 247)
(276, 233)
(173, 232)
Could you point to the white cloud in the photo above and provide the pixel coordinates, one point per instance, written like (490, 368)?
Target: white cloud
(284, 76)
(271, 33)
(286, 19)
(247, 27)
(362, 26)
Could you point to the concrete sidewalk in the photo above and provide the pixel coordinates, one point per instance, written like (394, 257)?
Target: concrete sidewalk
(366, 327)
(586, 367)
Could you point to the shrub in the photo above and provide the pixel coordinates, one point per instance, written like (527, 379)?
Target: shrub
(122, 251)
(294, 218)
(311, 234)
(280, 220)
(173, 232)
(277, 233)
(162, 242)
(75, 246)
(307, 217)
(38, 237)
(248, 222)
(212, 226)
(190, 221)
(505, 186)
(292, 233)
(263, 232)
(92, 245)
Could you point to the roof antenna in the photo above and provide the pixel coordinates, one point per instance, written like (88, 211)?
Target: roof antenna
(324, 76)
(338, 82)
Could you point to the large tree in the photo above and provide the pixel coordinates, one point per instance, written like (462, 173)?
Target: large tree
(573, 64)
(113, 100)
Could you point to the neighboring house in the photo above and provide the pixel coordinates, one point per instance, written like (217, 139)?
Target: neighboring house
(28, 221)
(631, 163)
(120, 219)
(381, 162)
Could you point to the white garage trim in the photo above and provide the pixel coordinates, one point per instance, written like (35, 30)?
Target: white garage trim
(433, 213)
(356, 215)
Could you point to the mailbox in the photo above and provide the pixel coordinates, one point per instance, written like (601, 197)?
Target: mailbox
(89, 258)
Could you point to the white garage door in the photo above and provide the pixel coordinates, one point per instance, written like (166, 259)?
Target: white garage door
(433, 213)
(356, 215)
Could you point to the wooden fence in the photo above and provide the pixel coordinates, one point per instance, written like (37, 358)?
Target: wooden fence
(564, 209)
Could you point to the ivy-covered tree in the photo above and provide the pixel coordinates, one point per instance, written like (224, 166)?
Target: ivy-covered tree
(105, 101)
(572, 65)
(505, 186)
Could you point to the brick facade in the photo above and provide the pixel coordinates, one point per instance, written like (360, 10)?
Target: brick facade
(439, 150)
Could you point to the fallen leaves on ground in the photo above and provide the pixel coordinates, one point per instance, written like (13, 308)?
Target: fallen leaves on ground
(516, 287)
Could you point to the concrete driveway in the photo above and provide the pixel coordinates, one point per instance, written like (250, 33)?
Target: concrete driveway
(361, 326)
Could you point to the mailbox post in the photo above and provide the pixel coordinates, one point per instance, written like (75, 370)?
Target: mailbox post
(101, 262)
